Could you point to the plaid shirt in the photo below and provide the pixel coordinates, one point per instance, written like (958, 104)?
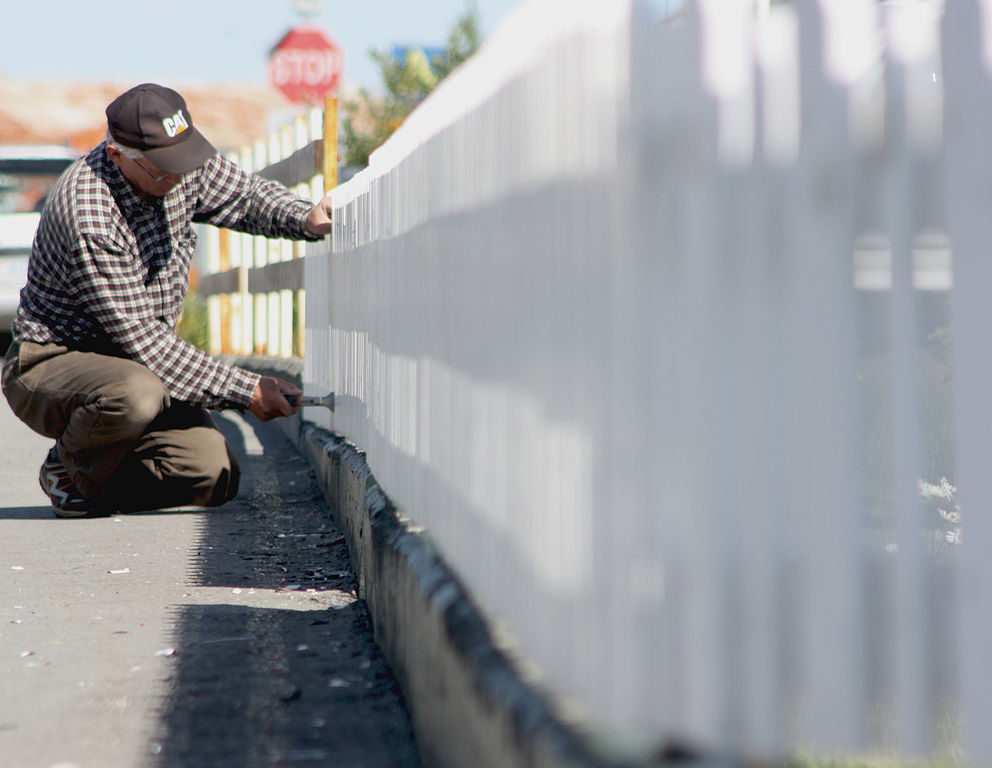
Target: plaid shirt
(109, 271)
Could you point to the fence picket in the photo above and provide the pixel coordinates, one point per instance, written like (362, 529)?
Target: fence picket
(967, 43)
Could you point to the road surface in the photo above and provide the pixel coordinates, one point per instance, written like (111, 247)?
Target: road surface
(188, 638)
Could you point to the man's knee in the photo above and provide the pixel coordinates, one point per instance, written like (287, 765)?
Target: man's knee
(191, 465)
(133, 402)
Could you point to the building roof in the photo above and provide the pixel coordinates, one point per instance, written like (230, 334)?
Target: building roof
(230, 115)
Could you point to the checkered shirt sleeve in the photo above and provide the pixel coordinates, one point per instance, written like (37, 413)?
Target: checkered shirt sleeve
(109, 271)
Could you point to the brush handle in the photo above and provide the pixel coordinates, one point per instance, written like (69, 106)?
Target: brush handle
(327, 401)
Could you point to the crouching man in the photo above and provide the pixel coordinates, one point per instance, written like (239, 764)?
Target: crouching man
(95, 362)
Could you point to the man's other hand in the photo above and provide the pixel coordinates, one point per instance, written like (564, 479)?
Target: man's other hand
(269, 401)
(319, 218)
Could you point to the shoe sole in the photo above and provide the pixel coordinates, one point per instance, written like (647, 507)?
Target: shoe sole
(69, 513)
(57, 511)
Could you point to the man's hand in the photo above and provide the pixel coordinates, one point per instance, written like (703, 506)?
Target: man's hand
(268, 401)
(319, 218)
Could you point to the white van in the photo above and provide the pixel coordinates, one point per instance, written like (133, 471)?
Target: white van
(27, 174)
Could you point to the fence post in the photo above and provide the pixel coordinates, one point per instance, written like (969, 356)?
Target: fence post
(224, 301)
(233, 308)
(968, 114)
(214, 321)
(260, 322)
(327, 169)
(244, 341)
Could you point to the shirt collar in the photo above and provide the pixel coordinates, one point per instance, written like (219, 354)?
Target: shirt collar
(125, 195)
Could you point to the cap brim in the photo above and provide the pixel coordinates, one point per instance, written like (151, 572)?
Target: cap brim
(186, 156)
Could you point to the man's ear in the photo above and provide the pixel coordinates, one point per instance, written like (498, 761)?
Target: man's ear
(113, 153)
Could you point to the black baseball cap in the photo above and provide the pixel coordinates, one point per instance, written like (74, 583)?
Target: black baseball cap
(156, 120)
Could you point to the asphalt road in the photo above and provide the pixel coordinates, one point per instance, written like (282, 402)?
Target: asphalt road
(187, 638)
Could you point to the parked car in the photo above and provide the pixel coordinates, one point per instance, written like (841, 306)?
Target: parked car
(27, 174)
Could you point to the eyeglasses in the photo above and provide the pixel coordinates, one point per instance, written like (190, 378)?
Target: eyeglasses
(154, 178)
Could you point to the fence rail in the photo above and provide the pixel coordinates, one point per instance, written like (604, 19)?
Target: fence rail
(670, 328)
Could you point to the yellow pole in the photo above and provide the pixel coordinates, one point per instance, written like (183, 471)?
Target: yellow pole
(225, 299)
(330, 168)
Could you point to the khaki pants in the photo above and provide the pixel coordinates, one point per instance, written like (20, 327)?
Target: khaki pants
(122, 440)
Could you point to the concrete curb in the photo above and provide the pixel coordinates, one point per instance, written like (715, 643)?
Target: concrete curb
(470, 703)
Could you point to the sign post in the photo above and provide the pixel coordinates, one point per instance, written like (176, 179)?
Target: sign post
(329, 165)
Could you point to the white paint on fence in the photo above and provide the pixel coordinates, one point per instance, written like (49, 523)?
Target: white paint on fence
(636, 315)
(967, 45)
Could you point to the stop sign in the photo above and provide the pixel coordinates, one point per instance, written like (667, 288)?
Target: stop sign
(306, 65)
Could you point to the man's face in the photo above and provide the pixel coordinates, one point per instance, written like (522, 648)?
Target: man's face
(144, 175)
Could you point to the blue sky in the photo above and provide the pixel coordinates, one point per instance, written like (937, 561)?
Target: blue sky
(183, 41)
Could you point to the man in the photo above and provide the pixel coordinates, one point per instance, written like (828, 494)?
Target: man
(95, 362)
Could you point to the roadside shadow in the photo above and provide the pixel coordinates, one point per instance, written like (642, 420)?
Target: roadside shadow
(45, 513)
(280, 668)
(27, 513)
(278, 532)
(266, 687)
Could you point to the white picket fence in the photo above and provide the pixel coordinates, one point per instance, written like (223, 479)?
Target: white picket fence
(634, 315)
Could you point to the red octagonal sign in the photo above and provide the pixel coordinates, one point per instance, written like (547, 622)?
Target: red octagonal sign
(306, 65)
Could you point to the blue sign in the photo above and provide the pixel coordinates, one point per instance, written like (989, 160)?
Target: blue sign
(400, 52)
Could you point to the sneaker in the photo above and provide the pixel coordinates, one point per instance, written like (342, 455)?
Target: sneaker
(55, 481)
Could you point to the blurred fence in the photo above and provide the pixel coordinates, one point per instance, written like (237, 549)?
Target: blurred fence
(256, 303)
(646, 316)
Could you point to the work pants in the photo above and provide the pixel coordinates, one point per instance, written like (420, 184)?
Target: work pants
(124, 443)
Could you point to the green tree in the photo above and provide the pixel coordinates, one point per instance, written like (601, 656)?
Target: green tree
(193, 321)
(463, 41)
(370, 119)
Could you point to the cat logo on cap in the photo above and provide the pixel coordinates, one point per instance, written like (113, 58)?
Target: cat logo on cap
(175, 125)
